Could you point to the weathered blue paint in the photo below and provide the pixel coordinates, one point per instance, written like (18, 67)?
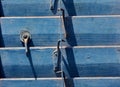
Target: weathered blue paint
(97, 82)
(72, 7)
(44, 31)
(102, 30)
(75, 82)
(90, 62)
(91, 7)
(26, 8)
(77, 62)
(96, 66)
(32, 83)
(38, 63)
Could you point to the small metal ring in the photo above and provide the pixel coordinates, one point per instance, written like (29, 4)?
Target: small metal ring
(24, 34)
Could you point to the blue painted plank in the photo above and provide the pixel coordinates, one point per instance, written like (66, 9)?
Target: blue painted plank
(95, 30)
(44, 31)
(87, 62)
(72, 7)
(91, 7)
(32, 83)
(97, 82)
(26, 8)
(76, 62)
(38, 63)
(75, 82)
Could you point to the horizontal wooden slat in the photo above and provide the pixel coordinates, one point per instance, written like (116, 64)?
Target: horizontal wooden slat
(75, 82)
(32, 83)
(93, 30)
(91, 7)
(81, 30)
(86, 62)
(97, 82)
(72, 7)
(26, 8)
(44, 31)
(76, 62)
(38, 63)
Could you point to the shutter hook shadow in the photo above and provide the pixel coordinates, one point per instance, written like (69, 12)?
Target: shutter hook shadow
(1, 38)
(2, 74)
(70, 7)
(1, 9)
(28, 54)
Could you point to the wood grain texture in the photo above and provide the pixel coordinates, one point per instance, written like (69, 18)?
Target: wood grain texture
(44, 31)
(85, 31)
(32, 83)
(72, 7)
(76, 62)
(91, 7)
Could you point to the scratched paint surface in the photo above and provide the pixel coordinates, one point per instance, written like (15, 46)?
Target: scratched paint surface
(83, 67)
(72, 7)
(46, 31)
(77, 62)
(31, 83)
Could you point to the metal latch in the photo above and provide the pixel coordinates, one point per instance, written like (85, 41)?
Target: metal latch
(52, 4)
(25, 37)
(57, 57)
(63, 21)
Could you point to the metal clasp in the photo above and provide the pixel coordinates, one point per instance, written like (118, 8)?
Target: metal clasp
(52, 4)
(63, 21)
(57, 56)
(25, 37)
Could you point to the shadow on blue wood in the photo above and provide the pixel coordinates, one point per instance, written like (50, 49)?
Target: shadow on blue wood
(71, 63)
(70, 7)
(88, 62)
(44, 31)
(28, 54)
(1, 9)
(2, 74)
(1, 38)
(78, 62)
(103, 30)
(92, 30)
(54, 6)
(70, 34)
(69, 82)
(16, 63)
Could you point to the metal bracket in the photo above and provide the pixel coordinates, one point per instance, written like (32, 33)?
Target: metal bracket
(52, 4)
(57, 56)
(63, 12)
(63, 21)
(25, 37)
